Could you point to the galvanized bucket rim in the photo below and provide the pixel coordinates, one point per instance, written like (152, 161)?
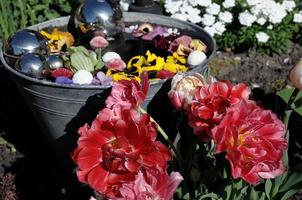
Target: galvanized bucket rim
(74, 86)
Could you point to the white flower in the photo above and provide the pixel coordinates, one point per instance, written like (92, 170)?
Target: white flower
(261, 21)
(269, 9)
(226, 16)
(210, 29)
(172, 6)
(288, 5)
(270, 27)
(228, 3)
(193, 14)
(253, 2)
(213, 9)
(124, 4)
(204, 3)
(246, 18)
(298, 17)
(262, 37)
(208, 20)
(219, 28)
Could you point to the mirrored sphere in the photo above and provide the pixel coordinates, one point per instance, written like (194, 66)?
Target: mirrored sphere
(54, 61)
(32, 64)
(103, 17)
(26, 41)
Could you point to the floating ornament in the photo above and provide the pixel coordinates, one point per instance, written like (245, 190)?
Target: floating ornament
(33, 64)
(110, 55)
(101, 17)
(98, 42)
(82, 77)
(26, 41)
(196, 58)
(54, 62)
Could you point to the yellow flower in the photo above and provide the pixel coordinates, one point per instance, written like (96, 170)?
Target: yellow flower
(198, 45)
(174, 68)
(157, 67)
(150, 57)
(136, 62)
(58, 39)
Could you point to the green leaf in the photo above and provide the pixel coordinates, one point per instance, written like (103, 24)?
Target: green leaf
(289, 193)
(286, 93)
(212, 195)
(253, 195)
(228, 192)
(292, 180)
(268, 187)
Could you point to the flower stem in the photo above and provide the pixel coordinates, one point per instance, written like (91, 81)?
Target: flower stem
(166, 137)
(292, 98)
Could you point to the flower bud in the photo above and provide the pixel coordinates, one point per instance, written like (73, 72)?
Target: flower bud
(183, 89)
(295, 75)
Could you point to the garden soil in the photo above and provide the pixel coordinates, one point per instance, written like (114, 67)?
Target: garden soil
(28, 170)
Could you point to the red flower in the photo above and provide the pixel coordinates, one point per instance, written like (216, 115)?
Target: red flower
(152, 184)
(128, 93)
(117, 145)
(164, 74)
(62, 72)
(209, 105)
(254, 141)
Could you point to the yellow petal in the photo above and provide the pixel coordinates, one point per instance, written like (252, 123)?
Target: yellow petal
(180, 59)
(160, 61)
(170, 59)
(150, 56)
(198, 45)
(129, 64)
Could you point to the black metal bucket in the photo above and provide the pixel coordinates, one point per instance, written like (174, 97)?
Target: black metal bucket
(61, 109)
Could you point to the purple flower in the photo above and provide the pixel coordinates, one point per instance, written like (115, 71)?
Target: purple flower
(102, 79)
(158, 30)
(63, 80)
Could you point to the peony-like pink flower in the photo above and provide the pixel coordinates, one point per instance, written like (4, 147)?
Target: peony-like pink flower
(152, 184)
(253, 139)
(209, 105)
(116, 64)
(118, 144)
(98, 42)
(183, 89)
(128, 93)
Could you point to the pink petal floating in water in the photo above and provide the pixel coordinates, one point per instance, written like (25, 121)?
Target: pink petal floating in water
(158, 30)
(182, 40)
(116, 64)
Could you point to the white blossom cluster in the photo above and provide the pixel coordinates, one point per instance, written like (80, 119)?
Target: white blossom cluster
(214, 20)
(266, 13)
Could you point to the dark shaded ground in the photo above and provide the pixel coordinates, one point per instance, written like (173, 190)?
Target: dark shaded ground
(31, 172)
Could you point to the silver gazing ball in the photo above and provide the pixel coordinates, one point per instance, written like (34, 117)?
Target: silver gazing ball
(26, 41)
(101, 17)
(54, 61)
(32, 64)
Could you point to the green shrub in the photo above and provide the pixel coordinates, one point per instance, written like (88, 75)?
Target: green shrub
(18, 14)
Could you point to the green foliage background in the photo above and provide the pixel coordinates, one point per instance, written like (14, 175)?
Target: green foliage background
(18, 14)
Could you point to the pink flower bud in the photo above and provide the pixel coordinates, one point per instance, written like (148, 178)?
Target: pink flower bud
(183, 89)
(295, 75)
